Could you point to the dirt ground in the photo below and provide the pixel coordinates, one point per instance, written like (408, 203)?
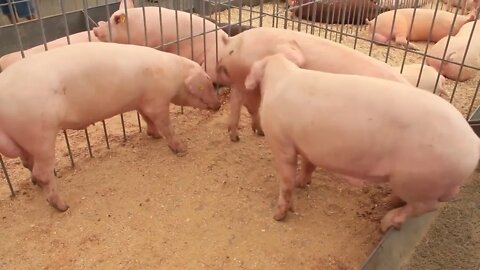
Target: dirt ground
(138, 205)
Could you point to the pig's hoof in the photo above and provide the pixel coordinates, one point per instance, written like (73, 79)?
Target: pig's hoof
(58, 204)
(181, 154)
(259, 132)
(280, 215)
(234, 138)
(34, 181)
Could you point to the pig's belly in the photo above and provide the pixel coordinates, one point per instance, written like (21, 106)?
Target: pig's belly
(80, 111)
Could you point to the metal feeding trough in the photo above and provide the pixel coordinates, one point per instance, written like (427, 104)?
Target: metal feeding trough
(474, 121)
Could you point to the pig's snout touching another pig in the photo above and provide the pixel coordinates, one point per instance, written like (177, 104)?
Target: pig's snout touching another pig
(200, 85)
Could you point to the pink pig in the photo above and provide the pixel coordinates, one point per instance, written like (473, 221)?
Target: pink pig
(457, 48)
(77, 85)
(427, 80)
(349, 125)
(420, 29)
(165, 33)
(242, 51)
(80, 37)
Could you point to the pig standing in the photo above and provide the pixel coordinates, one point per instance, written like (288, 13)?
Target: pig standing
(420, 29)
(376, 135)
(336, 11)
(77, 85)
(13, 57)
(427, 80)
(457, 48)
(242, 51)
(165, 33)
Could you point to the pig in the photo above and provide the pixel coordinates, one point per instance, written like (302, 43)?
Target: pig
(160, 35)
(85, 36)
(457, 48)
(80, 37)
(332, 11)
(371, 139)
(420, 29)
(322, 54)
(75, 86)
(427, 80)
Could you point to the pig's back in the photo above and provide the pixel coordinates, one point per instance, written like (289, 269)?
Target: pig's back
(365, 115)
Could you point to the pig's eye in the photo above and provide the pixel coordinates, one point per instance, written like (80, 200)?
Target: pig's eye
(230, 53)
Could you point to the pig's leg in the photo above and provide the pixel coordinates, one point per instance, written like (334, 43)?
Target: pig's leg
(27, 162)
(306, 170)
(161, 120)
(43, 166)
(236, 100)
(152, 130)
(396, 217)
(252, 103)
(402, 40)
(8, 147)
(286, 163)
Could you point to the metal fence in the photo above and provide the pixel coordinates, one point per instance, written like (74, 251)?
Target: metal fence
(56, 19)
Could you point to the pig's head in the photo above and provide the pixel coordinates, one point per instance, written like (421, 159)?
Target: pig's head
(199, 91)
(233, 66)
(118, 28)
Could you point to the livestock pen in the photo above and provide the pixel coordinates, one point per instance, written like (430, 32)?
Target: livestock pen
(135, 205)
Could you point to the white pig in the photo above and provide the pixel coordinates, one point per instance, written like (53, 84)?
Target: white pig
(457, 48)
(419, 30)
(417, 142)
(242, 50)
(77, 85)
(202, 46)
(427, 80)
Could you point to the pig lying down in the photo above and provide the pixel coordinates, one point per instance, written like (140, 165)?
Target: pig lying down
(373, 138)
(332, 11)
(420, 29)
(204, 54)
(77, 85)
(241, 51)
(457, 48)
(427, 80)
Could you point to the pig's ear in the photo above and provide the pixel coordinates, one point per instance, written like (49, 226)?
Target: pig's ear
(225, 39)
(129, 4)
(119, 18)
(292, 51)
(256, 75)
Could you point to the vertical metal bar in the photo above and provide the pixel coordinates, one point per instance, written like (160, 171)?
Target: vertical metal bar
(464, 57)
(68, 147)
(7, 177)
(67, 31)
(88, 143)
(261, 13)
(40, 20)
(15, 24)
(106, 134)
(123, 128)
